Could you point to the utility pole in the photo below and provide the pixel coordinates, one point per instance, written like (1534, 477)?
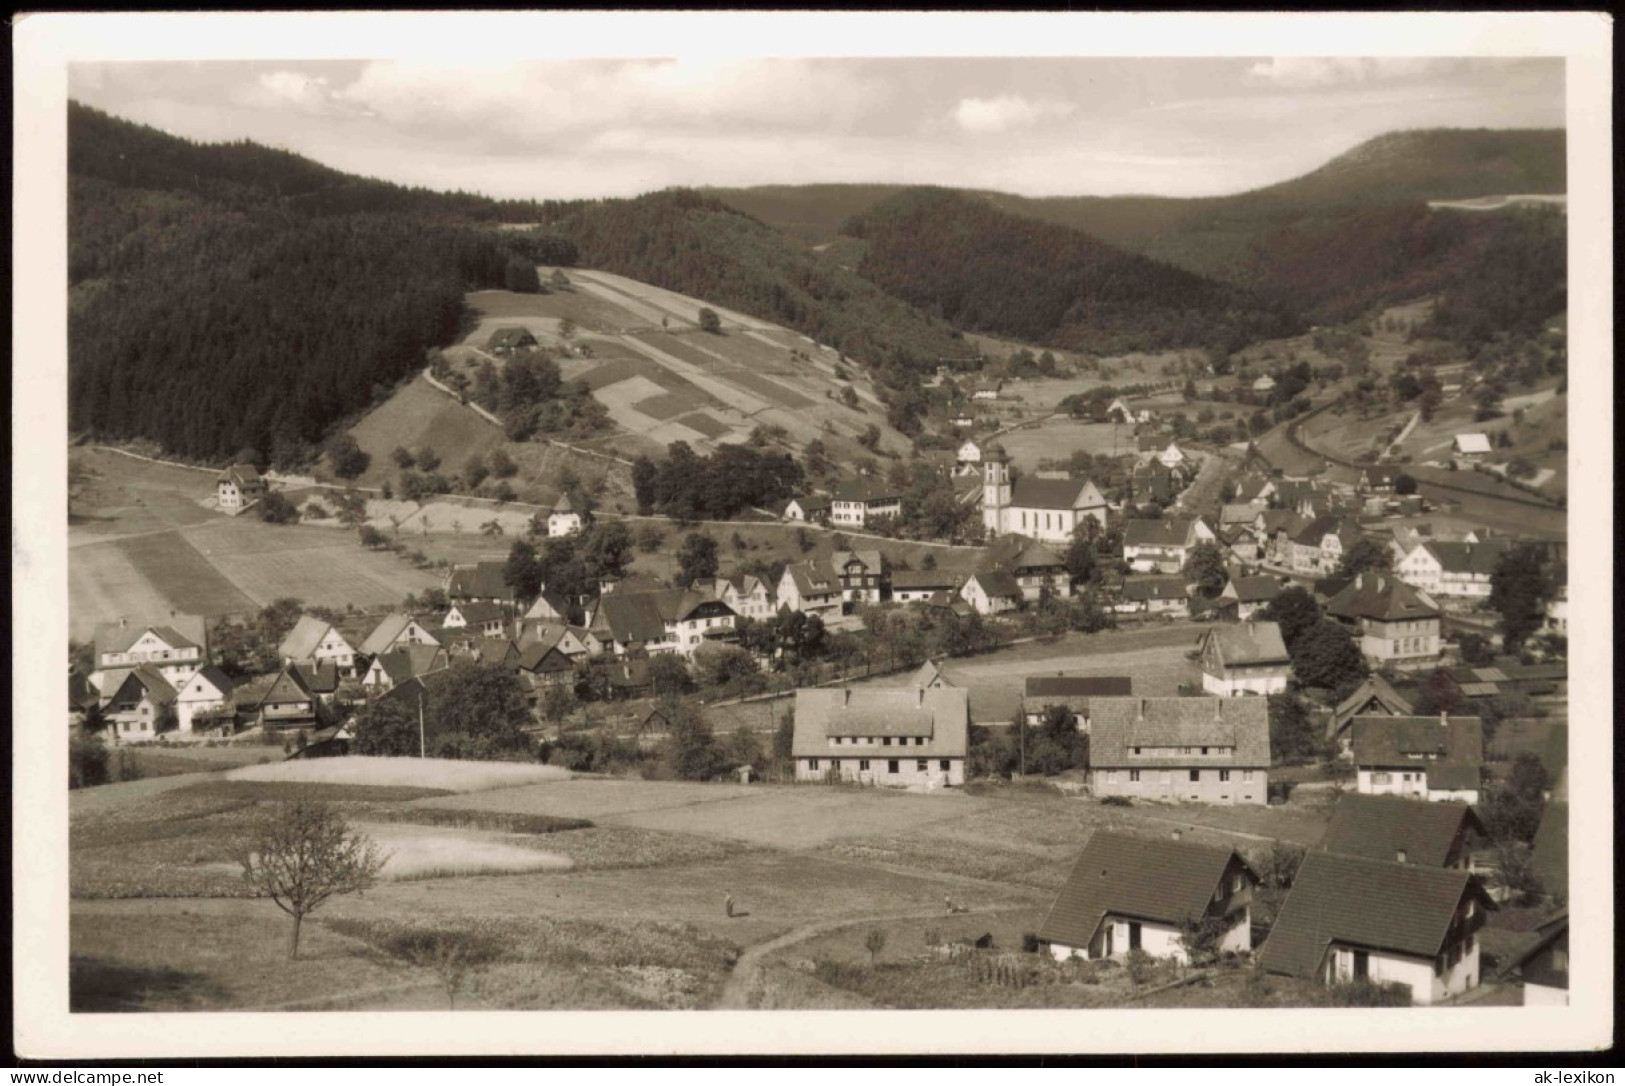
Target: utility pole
(422, 746)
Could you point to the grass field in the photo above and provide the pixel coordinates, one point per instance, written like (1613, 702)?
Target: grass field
(1059, 438)
(437, 773)
(418, 414)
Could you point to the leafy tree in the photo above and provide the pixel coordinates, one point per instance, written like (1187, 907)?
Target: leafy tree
(558, 702)
(523, 570)
(403, 457)
(849, 396)
(1511, 811)
(520, 276)
(275, 508)
(696, 558)
(1475, 650)
(668, 675)
(874, 943)
(558, 280)
(371, 537)
(1205, 568)
(1366, 554)
(502, 465)
(474, 471)
(428, 459)
(727, 666)
(1292, 733)
(450, 954)
(709, 321)
(1202, 937)
(1520, 588)
(347, 457)
(692, 752)
(478, 700)
(87, 761)
(1326, 655)
(1296, 611)
(389, 727)
(277, 618)
(784, 737)
(304, 853)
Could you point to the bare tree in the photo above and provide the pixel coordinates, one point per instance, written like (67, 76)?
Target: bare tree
(874, 943)
(302, 855)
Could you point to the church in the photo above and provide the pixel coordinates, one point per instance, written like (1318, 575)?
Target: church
(1046, 509)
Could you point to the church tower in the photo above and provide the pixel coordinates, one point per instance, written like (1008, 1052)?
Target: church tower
(995, 488)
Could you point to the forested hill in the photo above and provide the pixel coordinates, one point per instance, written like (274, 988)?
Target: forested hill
(214, 312)
(696, 245)
(986, 270)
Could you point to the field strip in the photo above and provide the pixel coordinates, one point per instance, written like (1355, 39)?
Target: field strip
(669, 301)
(180, 573)
(729, 394)
(636, 307)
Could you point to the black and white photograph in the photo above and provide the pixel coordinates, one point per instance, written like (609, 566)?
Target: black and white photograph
(586, 514)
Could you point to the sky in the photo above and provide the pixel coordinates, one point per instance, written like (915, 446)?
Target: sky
(571, 128)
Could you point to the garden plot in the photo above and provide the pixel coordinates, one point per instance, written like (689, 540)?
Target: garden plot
(104, 585)
(420, 852)
(1059, 438)
(620, 399)
(696, 369)
(588, 310)
(658, 303)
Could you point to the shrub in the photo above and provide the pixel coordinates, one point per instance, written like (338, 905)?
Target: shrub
(1116, 801)
(1029, 942)
(87, 761)
(1365, 993)
(1140, 966)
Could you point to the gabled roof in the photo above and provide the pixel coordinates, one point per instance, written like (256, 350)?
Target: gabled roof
(1401, 908)
(1015, 552)
(305, 637)
(1467, 558)
(1167, 532)
(478, 614)
(482, 580)
(288, 688)
(213, 676)
(410, 661)
(919, 579)
(1259, 589)
(871, 560)
(384, 634)
(1235, 513)
(1383, 597)
(1313, 532)
(813, 577)
(1030, 492)
(1381, 827)
(867, 491)
(997, 584)
(511, 335)
(151, 683)
(928, 674)
(1155, 879)
(1249, 643)
(563, 505)
(940, 715)
(1391, 740)
(322, 678)
(111, 637)
(1472, 443)
(809, 503)
(642, 616)
(1119, 726)
(548, 605)
(1373, 687)
(242, 476)
(1155, 588)
(543, 658)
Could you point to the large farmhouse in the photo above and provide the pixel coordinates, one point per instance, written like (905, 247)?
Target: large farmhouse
(889, 736)
(1249, 658)
(1212, 750)
(1423, 757)
(1396, 624)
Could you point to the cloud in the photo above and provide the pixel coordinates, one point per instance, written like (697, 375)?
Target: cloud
(1310, 72)
(989, 115)
(536, 102)
(288, 90)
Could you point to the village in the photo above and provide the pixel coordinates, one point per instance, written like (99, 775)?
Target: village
(1341, 652)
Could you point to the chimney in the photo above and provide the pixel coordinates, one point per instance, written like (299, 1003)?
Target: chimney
(1444, 720)
(921, 699)
(1401, 857)
(846, 695)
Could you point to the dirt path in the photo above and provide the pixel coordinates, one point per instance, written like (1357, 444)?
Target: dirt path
(736, 992)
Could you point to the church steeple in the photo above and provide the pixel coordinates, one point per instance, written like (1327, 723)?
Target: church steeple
(995, 488)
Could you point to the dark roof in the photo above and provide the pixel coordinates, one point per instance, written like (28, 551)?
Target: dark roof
(917, 579)
(1249, 643)
(112, 637)
(1030, 492)
(1119, 726)
(305, 637)
(1155, 588)
(1550, 854)
(510, 336)
(478, 614)
(1377, 688)
(1390, 740)
(867, 491)
(409, 661)
(482, 580)
(1167, 532)
(809, 503)
(1381, 596)
(287, 688)
(323, 678)
(1154, 879)
(1015, 552)
(1256, 589)
(387, 632)
(543, 658)
(814, 577)
(1402, 908)
(153, 685)
(1479, 558)
(1073, 686)
(998, 584)
(940, 715)
(1311, 534)
(1380, 827)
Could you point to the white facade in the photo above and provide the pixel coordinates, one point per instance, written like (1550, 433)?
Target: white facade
(985, 604)
(1236, 681)
(1117, 936)
(176, 664)
(968, 461)
(855, 514)
(198, 695)
(1427, 984)
(563, 524)
(1420, 569)
(1000, 516)
(1411, 783)
(892, 766)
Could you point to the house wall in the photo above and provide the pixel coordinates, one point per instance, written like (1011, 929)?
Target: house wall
(879, 772)
(912, 595)
(185, 710)
(1404, 644)
(1233, 681)
(1427, 986)
(1386, 781)
(1173, 784)
(1456, 795)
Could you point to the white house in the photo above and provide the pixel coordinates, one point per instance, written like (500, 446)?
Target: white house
(991, 593)
(1349, 919)
(1071, 692)
(239, 487)
(968, 460)
(808, 509)
(207, 691)
(1165, 545)
(1264, 385)
(564, 519)
(174, 651)
(987, 390)
(896, 736)
(1471, 447)
(857, 502)
(1249, 658)
(918, 586)
(486, 619)
(1044, 509)
(811, 587)
(388, 670)
(393, 632)
(744, 593)
(1172, 456)
(1130, 893)
(1421, 757)
(1204, 750)
(133, 703)
(666, 620)
(1459, 570)
(313, 640)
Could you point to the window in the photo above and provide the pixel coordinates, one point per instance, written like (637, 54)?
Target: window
(886, 742)
(1235, 883)
(921, 766)
(863, 764)
(1224, 775)
(812, 764)
(891, 766)
(944, 765)
(1196, 775)
(1204, 750)
(1134, 776)
(1379, 778)
(1136, 750)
